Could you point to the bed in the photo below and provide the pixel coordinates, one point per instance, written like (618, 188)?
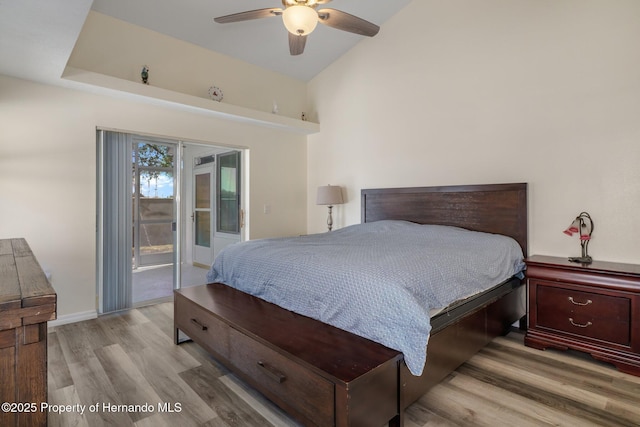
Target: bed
(456, 333)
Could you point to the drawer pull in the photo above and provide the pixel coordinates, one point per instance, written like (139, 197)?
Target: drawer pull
(272, 373)
(199, 325)
(580, 303)
(578, 324)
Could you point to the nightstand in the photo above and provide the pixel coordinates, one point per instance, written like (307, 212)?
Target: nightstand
(594, 308)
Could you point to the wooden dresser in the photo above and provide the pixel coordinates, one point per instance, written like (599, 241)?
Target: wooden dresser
(320, 375)
(27, 302)
(594, 308)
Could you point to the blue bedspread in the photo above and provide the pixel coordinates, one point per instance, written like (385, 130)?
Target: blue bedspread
(377, 280)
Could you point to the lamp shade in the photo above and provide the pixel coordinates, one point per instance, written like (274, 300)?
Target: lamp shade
(329, 195)
(300, 20)
(573, 228)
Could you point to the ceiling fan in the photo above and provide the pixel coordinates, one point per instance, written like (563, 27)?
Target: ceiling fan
(300, 18)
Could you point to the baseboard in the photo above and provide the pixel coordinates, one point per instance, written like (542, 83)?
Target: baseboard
(197, 264)
(73, 317)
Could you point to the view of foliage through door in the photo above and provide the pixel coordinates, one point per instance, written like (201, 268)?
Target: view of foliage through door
(153, 194)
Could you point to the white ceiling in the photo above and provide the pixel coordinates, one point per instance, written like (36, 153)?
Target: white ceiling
(37, 36)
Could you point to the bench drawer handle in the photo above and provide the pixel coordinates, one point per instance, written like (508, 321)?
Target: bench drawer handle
(578, 324)
(199, 325)
(272, 373)
(580, 303)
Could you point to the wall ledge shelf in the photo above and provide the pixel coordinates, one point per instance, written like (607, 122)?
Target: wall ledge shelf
(101, 83)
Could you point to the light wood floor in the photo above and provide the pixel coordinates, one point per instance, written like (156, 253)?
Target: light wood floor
(129, 359)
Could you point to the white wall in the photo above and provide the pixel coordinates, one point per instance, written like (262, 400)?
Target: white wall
(471, 92)
(48, 173)
(116, 48)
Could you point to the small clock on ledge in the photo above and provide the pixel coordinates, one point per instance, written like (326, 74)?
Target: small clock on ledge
(215, 93)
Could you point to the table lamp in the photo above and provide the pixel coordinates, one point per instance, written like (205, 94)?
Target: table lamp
(584, 226)
(329, 195)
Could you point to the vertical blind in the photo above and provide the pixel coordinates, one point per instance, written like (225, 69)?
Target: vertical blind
(115, 222)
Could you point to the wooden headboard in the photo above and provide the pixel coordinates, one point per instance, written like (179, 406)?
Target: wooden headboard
(491, 208)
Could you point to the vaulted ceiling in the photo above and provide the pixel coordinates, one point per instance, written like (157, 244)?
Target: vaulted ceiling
(37, 36)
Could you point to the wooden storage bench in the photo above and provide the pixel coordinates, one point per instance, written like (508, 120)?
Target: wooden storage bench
(320, 375)
(27, 302)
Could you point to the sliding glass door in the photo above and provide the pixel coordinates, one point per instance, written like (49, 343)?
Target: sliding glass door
(151, 241)
(136, 220)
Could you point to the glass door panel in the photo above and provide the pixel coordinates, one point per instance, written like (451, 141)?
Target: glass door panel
(203, 229)
(154, 210)
(202, 215)
(203, 191)
(228, 193)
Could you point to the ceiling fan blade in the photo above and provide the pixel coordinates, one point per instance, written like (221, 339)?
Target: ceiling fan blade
(248, 15)
(347, 22)
(296, 44)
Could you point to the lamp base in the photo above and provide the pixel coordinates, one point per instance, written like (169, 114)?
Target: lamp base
(581, 259)
(330, 219)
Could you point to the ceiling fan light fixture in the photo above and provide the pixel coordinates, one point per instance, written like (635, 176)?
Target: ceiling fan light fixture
(300, 20)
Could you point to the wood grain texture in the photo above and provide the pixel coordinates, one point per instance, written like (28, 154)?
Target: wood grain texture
(492, 208)
(31, 381)
(27, 302)
(505, 384)
(595, 309)
(10, 289)
(292, 359)
(313, 342)
(7, 389)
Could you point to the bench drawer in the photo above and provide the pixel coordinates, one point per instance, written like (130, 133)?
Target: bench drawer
(202, 326)
(283, 379)
(318, 374)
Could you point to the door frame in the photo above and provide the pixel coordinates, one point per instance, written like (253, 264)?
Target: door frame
(180, 216)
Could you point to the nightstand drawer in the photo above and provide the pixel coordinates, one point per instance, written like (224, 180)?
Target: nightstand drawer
(588, 314)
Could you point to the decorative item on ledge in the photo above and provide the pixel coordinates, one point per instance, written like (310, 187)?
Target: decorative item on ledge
(583, 225)
(144, 75)
(329, 195)
(215, 93)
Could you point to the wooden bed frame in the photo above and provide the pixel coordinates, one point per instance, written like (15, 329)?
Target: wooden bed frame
(493, 208)
(457, 333)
